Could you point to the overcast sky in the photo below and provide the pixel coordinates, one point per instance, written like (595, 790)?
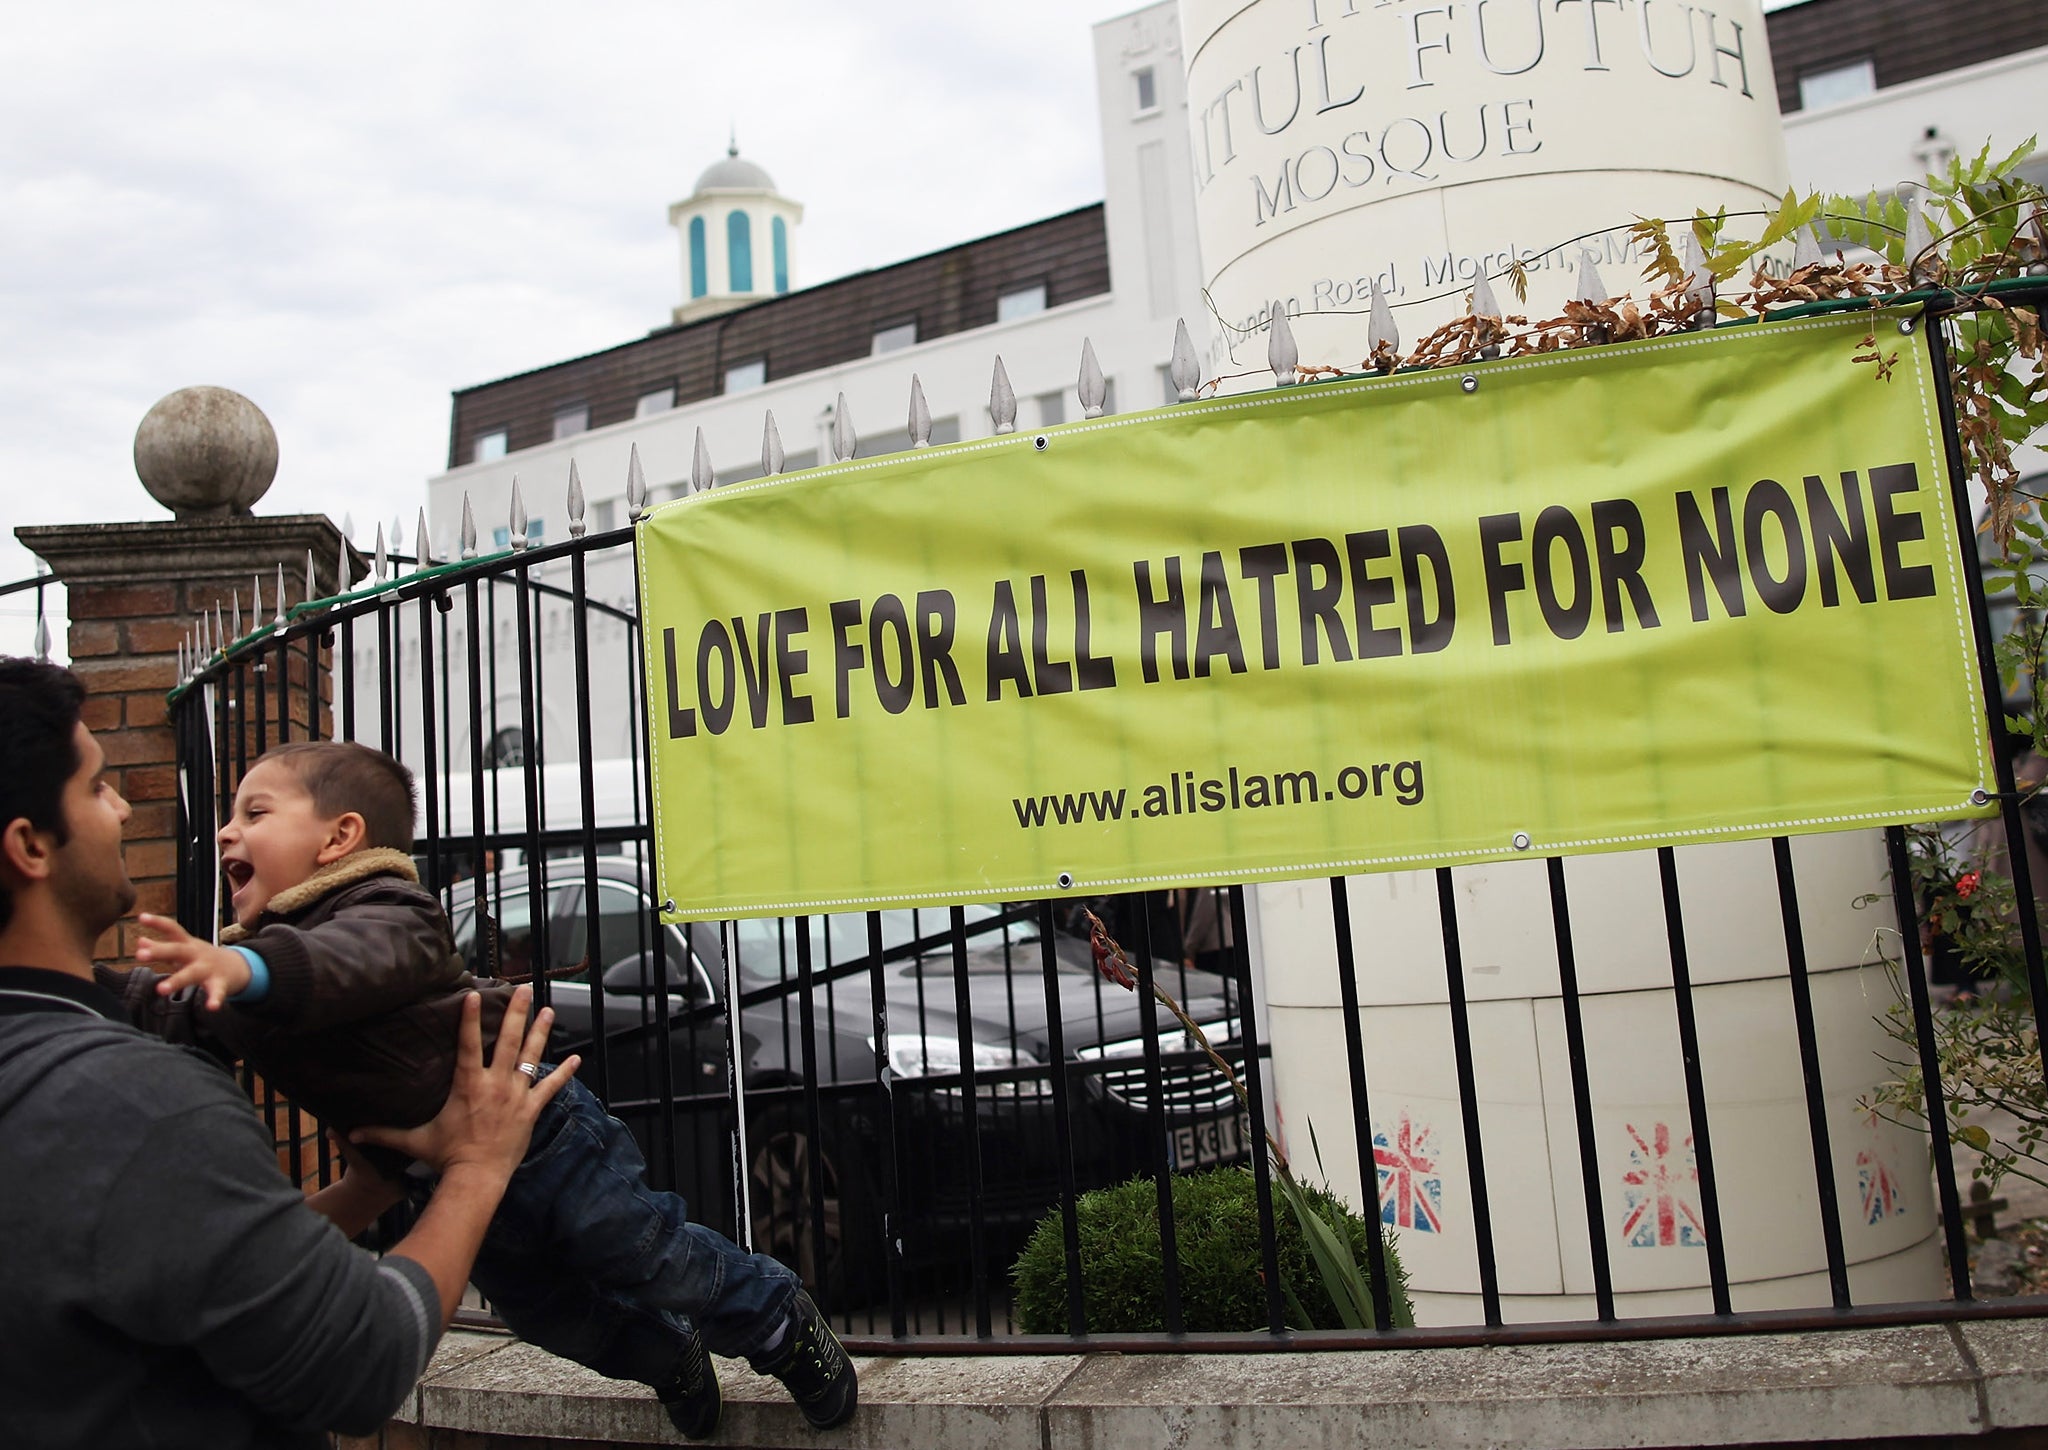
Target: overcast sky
(347, 212)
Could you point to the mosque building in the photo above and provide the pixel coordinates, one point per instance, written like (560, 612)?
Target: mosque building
(1871, 92)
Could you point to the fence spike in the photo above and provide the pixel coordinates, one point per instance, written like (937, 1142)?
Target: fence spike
(576, 524)
(1591, 288)
(1484, 305)
(771, 446)
(221, 637)
(1806, 250)
(702, 478)
(43, 638)
(517, 520)
(636, 485)
(348, 525)
(278, 620)
(920, 415)
(422, 545)
(1186, 368)
(1381, 332)
(312, 585)
(1002, 399)
(236, 617)
(1282, 355)
(844, 440)
(380, 560)
(199, 639)
(1918, 255)
(1093, 386)
(1699, 284)
(342, 569)
(468, 533)
(181, 659)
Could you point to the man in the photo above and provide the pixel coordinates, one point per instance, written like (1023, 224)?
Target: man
(162, 1283)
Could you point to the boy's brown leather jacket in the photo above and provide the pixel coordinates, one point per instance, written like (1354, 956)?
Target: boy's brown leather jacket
(365, 997)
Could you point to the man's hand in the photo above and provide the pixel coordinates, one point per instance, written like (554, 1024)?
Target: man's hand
(475, 1141)
(191, 962)
(488, 1118)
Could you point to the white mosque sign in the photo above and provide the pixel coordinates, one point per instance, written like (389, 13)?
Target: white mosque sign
(1420, 141)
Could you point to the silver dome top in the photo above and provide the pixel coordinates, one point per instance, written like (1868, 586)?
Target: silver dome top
(733, 173)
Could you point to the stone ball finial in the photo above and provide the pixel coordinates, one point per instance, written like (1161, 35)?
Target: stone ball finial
(205, 451)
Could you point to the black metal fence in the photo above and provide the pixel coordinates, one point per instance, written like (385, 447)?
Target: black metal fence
(889, 1101)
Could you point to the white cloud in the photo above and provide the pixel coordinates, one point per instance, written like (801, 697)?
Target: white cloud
(346, 214)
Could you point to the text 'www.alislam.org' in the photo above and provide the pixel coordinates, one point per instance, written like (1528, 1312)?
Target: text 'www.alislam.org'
(1182, 794)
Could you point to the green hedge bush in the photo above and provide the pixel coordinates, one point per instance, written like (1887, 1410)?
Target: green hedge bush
(1216, 1224)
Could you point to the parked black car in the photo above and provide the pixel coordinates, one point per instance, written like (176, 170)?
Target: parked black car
(898, 1070)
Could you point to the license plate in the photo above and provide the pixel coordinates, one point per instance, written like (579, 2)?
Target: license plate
(1196, 1144)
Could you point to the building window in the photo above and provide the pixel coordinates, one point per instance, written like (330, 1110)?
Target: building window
(536, 532)
(778, 236)
(1837, 83)
(490, 445)
(1020, 302)
(741, 376)
(700, 270)
(1148, 90)
(897, 335)
(739, 251)
(572, 420)
(655, 400)
(1052, 409)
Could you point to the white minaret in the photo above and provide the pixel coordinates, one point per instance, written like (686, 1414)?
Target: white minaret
(738, 236)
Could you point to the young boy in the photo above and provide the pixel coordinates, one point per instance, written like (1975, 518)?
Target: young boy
(339, 982)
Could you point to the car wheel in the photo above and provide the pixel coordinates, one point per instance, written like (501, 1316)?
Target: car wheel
(781, 1162)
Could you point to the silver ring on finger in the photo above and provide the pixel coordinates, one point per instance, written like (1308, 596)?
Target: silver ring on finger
(532, 1071)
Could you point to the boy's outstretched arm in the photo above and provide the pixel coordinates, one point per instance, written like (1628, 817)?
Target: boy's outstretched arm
(218, 972)
(389, 947)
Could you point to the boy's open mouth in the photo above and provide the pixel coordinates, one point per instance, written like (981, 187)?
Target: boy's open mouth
(239, 874)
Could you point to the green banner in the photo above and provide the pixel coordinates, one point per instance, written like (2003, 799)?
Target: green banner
(1681, 590)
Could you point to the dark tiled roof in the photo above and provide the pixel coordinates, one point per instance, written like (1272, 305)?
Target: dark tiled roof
(835, 322)
(1904, 39)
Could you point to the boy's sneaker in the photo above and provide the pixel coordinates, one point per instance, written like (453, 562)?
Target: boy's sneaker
(812, 1364)
(690, 1395)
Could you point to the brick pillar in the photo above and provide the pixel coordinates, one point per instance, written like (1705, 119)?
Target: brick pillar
(134, 592)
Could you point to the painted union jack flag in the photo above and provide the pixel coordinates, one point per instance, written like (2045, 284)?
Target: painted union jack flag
(1411, 1187)
(1880, 1190)
(1659, 1184)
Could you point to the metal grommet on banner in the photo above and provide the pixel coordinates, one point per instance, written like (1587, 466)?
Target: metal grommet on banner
(1469, 383)
(1066, 881)
(1980, 797)
(1906, 326)
(1521, 840)
(1041, 443)
(669, 905)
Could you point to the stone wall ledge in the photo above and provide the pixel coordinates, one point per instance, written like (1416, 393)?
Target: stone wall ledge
(1982, 1383)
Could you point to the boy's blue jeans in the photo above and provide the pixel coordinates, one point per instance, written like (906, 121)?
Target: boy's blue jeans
(588, 1262)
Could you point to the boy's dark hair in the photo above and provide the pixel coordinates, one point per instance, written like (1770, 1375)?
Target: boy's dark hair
(342, 776)
(39, 709)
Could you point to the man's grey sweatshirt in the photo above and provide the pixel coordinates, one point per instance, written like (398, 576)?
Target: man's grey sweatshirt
(161, 1282)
